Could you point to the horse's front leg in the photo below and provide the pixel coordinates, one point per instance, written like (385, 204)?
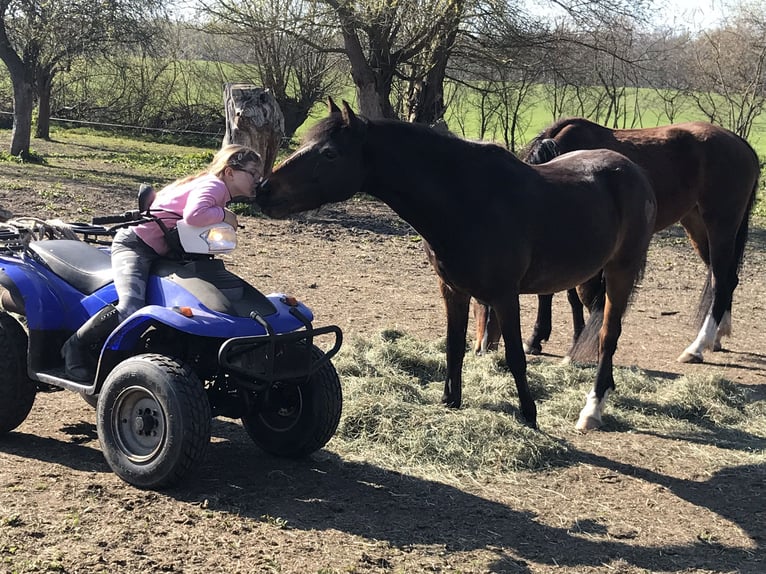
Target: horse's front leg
(457, 306)
(510, 323)
(542, 329)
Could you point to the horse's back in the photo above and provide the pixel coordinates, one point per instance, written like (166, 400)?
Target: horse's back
(599, 206)
(606, 176)
(688, 164)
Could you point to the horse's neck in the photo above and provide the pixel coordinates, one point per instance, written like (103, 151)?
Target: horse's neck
(415, 185)
(434, 184)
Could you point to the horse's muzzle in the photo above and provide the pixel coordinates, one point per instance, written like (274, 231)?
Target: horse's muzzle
(262, 194)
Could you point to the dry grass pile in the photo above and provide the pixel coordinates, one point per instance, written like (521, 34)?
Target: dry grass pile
(393, 415)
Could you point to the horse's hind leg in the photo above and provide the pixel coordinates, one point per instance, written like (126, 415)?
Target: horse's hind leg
(619, 285)
(457, 306)
(717, 248)
(578, 318)
(542, 328)
(487, 328)
(480, 318)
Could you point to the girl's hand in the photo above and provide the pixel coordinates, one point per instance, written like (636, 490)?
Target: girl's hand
(230, 217)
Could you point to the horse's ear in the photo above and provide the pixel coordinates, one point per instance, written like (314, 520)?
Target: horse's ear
(349, 117)
(332, 108)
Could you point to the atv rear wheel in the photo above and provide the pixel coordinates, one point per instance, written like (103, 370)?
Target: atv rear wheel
(17, 390)
(153, 420)
(298, 417)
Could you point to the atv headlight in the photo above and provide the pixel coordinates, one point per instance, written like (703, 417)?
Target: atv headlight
(215, 238)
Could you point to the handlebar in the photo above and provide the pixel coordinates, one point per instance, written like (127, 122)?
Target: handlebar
(126, 217)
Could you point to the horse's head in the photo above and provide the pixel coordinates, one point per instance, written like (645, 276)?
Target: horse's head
(327, 168)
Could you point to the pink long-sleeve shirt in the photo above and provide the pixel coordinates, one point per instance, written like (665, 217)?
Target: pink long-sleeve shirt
(199, 201)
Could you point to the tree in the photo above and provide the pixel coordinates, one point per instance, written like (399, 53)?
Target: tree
(40, 38)
(265, 32)
(731, 71)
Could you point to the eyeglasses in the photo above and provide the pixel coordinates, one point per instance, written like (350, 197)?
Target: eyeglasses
(253, 174)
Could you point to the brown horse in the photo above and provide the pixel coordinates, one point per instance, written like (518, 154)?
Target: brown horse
(545, 228)
(703, 176)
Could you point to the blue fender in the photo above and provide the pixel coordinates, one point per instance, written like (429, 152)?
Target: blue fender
(49, 302)
(205, 323)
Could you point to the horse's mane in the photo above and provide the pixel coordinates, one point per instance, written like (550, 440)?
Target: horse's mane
(542, 148)
(325, 127)
(437, 141)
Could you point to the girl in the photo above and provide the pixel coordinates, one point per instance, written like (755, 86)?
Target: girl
(201, 200)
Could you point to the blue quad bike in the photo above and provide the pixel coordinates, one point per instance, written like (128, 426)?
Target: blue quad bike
(206, 344)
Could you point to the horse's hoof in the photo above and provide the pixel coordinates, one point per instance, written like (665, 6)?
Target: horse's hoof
(687, 357)
(587, 423)
(451, 404)
(532, 349)
(717, 346)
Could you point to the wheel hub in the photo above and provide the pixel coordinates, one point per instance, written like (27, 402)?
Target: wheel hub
(145, 422)
(138, 424)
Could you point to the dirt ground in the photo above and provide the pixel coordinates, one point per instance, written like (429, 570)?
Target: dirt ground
(633, 501)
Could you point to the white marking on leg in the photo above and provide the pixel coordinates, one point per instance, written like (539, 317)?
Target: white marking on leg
(704, 341)
(590, 415)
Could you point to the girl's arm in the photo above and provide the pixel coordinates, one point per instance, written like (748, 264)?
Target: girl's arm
(205, 202)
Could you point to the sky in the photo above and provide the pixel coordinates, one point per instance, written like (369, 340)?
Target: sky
(693, 13)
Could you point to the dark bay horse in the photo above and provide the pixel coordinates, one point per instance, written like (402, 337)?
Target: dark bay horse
(703, 176)
(545, 228)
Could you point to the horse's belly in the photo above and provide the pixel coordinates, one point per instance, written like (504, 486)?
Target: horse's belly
(546, 275)
(555, 282)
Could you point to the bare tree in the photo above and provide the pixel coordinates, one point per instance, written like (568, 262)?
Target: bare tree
(731, 70)
(268, 34)
(38, 39)
(670, 76)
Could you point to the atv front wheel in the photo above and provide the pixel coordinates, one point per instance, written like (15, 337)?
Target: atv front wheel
(17, 391)
(153, 420)
(92, 400)
(297, 417)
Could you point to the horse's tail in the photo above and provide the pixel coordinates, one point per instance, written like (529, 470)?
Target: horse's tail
(585, 347)
(740, 241)
(541, 150)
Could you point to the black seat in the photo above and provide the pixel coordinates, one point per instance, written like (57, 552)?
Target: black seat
(84, 267)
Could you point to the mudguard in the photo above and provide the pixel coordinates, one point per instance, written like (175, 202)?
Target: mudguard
(204, 322)
(49, 302)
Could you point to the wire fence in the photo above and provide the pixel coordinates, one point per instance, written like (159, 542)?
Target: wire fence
(129, 127)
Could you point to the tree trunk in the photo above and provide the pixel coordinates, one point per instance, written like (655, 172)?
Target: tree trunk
(427, 95)
(426, 105)
(23, 104)
(23, 93)
(373, 89)
(254, 119)
(44, 85)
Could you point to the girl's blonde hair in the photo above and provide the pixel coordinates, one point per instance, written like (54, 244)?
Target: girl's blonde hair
(232, 155)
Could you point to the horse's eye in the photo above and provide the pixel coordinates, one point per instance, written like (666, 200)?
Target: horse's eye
(329, 153)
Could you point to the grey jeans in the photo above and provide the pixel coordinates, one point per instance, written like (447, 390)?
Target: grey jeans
(131, 261)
